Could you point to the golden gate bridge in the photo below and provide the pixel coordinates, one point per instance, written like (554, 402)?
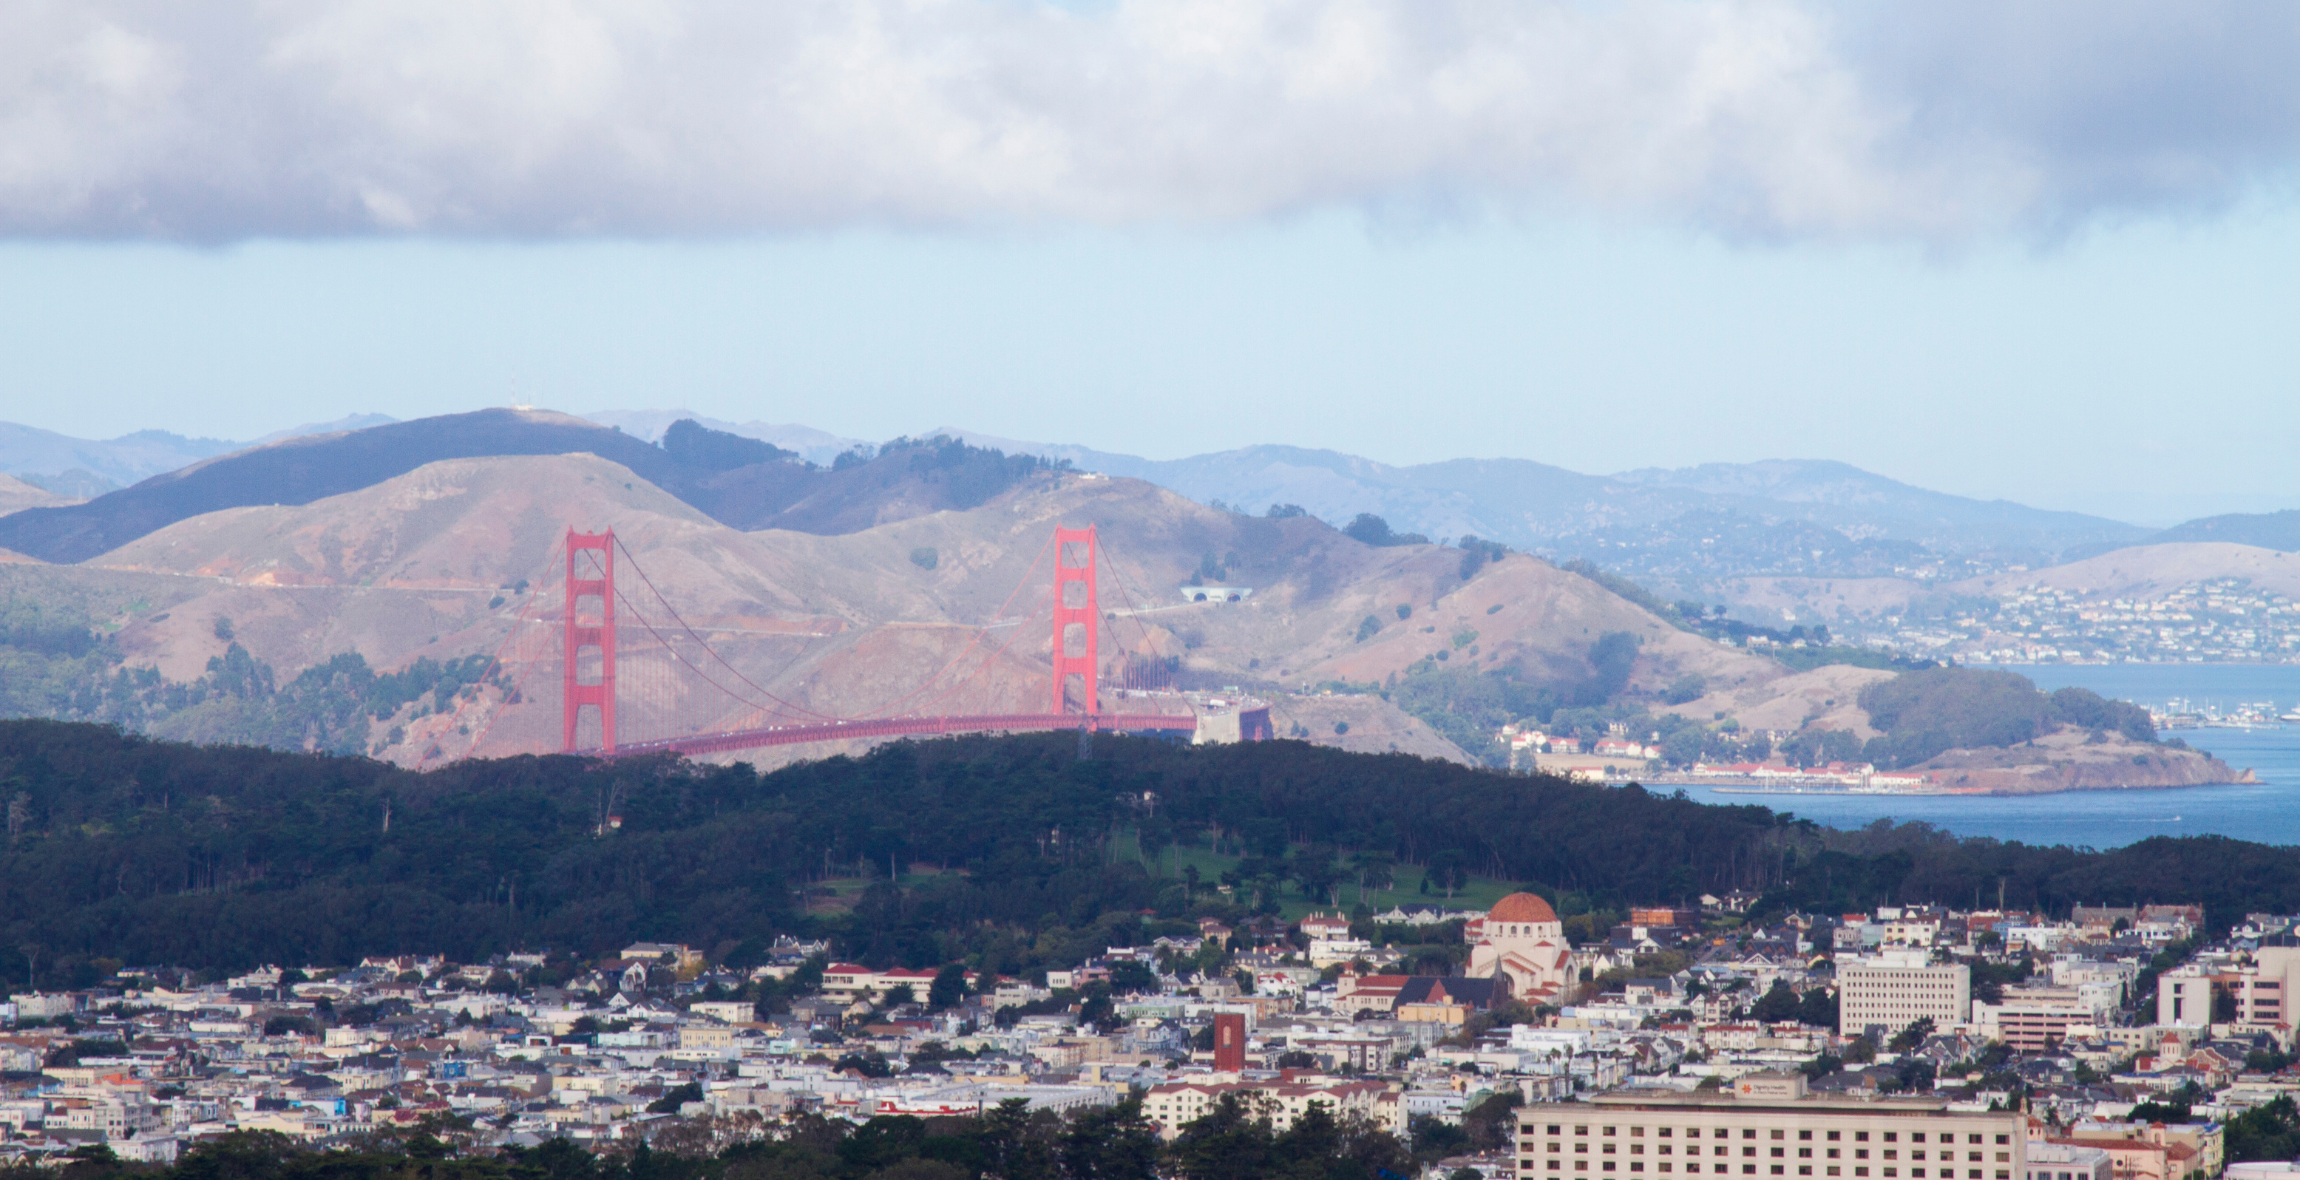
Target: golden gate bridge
(687, 676)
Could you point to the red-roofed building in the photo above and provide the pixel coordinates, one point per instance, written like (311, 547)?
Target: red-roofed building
(1367, 993)
(1521, 942)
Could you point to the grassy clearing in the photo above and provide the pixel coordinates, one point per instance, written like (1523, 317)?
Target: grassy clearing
(1480, 893)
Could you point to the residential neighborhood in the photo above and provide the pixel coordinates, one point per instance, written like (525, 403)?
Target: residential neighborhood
(2218, 620)
(2114, 1043)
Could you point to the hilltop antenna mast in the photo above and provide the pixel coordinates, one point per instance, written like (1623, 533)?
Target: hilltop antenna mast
(574, 695)
(1086, 615)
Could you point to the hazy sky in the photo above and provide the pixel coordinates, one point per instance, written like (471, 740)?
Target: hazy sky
(2040, 251)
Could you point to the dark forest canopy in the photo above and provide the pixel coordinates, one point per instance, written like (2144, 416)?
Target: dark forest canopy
(1008, 1142)
(154, 853)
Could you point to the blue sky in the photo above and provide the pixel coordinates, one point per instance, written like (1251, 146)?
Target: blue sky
(2044, 255)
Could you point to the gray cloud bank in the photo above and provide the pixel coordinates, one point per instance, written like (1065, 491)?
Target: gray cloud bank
(1766, 118)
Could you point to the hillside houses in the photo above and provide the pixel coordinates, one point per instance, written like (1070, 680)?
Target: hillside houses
(1679, 1000)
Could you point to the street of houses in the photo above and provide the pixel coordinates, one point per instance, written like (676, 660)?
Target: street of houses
(2073, 1020)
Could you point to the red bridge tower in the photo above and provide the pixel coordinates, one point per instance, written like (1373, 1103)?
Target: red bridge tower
(1075, 610)
(573, 695)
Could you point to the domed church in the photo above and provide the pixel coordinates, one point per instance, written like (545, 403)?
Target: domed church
(1521, 944)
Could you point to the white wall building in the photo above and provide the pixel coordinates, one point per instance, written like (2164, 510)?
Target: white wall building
(1894, 989)
(2067, 1161)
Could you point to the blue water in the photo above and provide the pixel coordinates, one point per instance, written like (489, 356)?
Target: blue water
(2268, 812)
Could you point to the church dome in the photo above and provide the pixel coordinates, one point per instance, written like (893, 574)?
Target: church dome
(1521, 907)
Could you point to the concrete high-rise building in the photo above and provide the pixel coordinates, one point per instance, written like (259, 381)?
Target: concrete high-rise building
(1766, 1126)
(1895, 989)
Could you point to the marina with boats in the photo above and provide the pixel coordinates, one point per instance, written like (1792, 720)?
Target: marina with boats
(2178, 713)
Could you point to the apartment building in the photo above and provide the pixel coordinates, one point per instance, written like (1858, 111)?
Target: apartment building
(1175, 1105)
(2032, 1019)
(1767, 1126)
(1896, 988)
(2253, 996)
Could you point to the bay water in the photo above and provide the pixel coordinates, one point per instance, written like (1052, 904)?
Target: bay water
(2268, 812)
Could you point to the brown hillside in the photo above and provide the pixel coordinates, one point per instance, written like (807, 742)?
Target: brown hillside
(16, 495)
(2153, 570)
(852, 625)
(1825, 698)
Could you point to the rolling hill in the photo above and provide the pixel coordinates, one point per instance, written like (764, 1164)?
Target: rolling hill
(16, 495)
(2264, 530)
(455, 557)
(1536, 506)
(865, 587)
(301, 470)
(737, 481)
(29, 450)
(424, 565)
(1841, 496)
(2151, 570)
(779, 592)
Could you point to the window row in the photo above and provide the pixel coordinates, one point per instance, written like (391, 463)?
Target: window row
(1584, 1129)
(1581, 1147)
(1556, 1164)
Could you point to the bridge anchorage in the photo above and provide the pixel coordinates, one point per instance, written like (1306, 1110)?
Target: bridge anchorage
(589, 654)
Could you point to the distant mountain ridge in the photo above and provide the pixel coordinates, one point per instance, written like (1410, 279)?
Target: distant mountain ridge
(2266, 530)
(815, 446)
(49, 458)
(1536, 506)
(301, 470)
(1845, 496)
(740, 482)
(81, 467)
(1649, 522)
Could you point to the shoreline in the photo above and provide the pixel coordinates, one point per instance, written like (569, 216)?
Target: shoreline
(2243, 779)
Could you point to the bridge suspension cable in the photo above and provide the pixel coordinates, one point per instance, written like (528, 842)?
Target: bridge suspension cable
(794, 711)
(971, 644)
(656, 683)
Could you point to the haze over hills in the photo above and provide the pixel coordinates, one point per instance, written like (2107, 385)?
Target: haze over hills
(15, 494)
(1549, 509)
(2264, 530)
(738, 481)
(886, 583)
(881, 572)
(1842, 496)
(300, 470)
(1773, 518)
(79, 468)
(1780, 542)
(815, 446)
(416, 567)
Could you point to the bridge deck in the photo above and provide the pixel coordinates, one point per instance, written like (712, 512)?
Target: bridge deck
(788, 735)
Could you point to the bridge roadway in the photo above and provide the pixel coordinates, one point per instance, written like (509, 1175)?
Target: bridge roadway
(789, 735)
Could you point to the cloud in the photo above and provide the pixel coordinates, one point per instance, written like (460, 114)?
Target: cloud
(1764, 118)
